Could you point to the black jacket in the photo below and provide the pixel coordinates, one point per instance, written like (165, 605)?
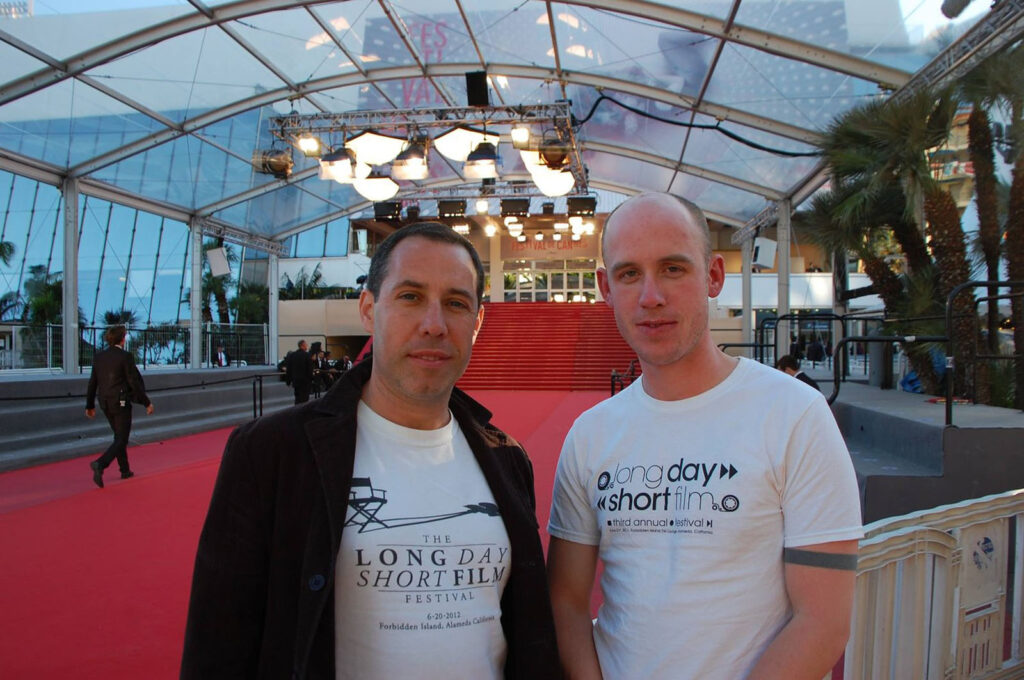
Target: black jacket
(300, 367)
(114, 371)
(263, 586)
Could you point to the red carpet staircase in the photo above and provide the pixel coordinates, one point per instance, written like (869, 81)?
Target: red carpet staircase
(546, 346)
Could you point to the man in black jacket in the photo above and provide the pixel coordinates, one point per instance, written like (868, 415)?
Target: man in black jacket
(116, 379)
(300, 372)
(387, 529)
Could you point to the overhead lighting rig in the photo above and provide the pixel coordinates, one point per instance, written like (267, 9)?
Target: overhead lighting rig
(372, 149)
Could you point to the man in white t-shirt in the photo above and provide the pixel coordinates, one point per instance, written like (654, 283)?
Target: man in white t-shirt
(717, 492)
(387, 529)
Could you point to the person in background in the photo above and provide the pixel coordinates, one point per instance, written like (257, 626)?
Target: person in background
(220, 357)
(300, 372)
(115, 382)
(717, 493)
(791, 366)
(387, 530)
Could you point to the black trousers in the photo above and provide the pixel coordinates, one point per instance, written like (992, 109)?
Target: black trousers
(120, 419)
(302, 392)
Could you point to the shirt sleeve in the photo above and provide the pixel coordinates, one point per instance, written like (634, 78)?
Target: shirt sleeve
(820, 498)
(573, 517)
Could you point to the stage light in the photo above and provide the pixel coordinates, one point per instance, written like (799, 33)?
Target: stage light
(309, 145)
(376, 187)
(411, 164)
(387, 210)
(376, 149)
(451, 208)
(460, 141)
(276, 162)
(482, 163)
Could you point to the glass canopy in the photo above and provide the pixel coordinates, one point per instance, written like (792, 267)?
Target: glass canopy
(719, 101)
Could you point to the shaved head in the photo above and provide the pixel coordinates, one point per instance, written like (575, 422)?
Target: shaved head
(693, 214)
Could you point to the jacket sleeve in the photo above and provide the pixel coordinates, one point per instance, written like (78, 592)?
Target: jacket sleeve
(135, 382)
(90, 395)
(223, 631)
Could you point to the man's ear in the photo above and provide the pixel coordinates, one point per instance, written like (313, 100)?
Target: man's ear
(716, 275)
(366, 302)
(602, 284)
(479, 322)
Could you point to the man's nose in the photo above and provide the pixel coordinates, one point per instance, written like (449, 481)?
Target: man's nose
(433, 322)
(650, 293)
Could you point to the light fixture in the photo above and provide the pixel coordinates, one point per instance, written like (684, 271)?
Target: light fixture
(376, 187)
(373, 148)
(515, 207)
(411, 164)
(556, 236)
(576, 222)
(553, 152)
(515, 230)
(341, 166)
(490, 230)
(387, 210)
(561, 226)
(553, 183)
(482, 206)
(520, 136)
(539, 236)
(576, 237)
(547, 208)
(482, 163)
(451, 208)
(458, 142)
(581, 205)
(461, 229)
(309, 145)
(276, 162)
(588, 228)
(521, 238)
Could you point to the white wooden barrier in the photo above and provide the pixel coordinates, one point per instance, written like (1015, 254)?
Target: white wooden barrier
(938, 594)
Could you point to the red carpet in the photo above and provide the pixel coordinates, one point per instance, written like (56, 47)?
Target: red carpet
(94, 583)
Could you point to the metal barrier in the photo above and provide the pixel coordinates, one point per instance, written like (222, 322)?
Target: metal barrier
(836, 378)
(950, 355)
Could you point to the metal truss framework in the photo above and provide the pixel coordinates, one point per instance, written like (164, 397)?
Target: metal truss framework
(1002, 25)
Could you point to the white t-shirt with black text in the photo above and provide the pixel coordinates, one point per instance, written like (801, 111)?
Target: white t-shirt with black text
(424, 559)
(691, 503)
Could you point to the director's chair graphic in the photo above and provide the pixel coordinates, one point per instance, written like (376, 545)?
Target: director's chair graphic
(366, 501)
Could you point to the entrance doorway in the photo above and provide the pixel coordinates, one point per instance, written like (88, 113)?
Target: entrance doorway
(551, 281)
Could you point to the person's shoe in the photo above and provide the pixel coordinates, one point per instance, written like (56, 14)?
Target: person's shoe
(97, 473)
(127, 475)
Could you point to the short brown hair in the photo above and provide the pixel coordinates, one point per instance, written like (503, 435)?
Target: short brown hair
(114, 335)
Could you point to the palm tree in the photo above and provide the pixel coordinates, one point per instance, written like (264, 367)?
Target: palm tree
(866, 234)
(123, 317)
(882, 141)
(985, 88)
(6, 252)
(250, 305)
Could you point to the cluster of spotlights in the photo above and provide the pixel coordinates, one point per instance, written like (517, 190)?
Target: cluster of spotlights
(372, 162)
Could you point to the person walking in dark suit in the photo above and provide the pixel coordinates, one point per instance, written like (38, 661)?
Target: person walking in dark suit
(115, 379)
(791, 365)
(300, 372)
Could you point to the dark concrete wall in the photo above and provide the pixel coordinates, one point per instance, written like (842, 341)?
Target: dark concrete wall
(976, 462)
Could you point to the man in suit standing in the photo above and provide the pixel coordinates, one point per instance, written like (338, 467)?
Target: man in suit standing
(791, 365)
(116, 380)
(220, 358)
(300, 372)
